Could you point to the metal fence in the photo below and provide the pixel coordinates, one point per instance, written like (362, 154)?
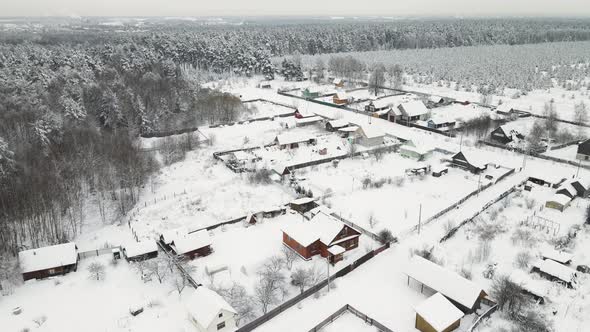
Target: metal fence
(354, 311)
(310, 291)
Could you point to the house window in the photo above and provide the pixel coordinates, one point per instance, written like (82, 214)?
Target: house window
(220, 326)
(51, 271)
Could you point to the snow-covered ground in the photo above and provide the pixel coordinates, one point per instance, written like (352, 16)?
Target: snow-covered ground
(261, 109)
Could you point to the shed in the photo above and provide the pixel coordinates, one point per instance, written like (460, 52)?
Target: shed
(311, 92)
(558, 202)
(583, 152)
(436, 100)
(463, 293)
(48, 261)
(303, 204)
(193, 245)
(415, 151)
(139, 251)
(437, 314)
(209, 312)
(555, 271)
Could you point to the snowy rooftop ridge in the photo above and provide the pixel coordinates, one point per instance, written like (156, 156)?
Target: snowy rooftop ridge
(48, 257)
(414, 108)
(556, 269)
(321, 227)
(291, 138)
(448, 283)
(439, 312)
(140, 248)
(193, 241)
(204, 305)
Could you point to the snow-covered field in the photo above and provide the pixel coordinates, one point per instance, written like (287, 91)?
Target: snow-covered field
(261, 109)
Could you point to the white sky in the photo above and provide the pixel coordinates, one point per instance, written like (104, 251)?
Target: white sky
(294, 7)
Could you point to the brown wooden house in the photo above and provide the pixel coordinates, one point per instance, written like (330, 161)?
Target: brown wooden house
(193, 245)
(323, 235)
(437, 314)
(48, 261)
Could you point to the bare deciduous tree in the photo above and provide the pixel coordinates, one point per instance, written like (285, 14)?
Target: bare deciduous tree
(289, 256)
(97, 271)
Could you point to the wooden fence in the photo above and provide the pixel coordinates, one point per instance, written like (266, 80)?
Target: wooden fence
(348, 308)
(310, 291)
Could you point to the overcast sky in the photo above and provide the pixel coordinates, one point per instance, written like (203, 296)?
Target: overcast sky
(294, 7)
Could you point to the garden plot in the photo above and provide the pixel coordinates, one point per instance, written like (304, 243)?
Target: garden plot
(240, 250)
(262, 109)
(75, 302)
(512, 234)
(396, 203)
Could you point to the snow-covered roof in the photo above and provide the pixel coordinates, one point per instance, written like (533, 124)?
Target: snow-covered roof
(302, 200)
(385, 102)
(349, 129)
(439, 312)
(448, 283)
(171, 234)
(505, 108)
(48, 257)
(140, 248)
(439, 168)
(241, 155)
(337, 81)
(560, 198)
(204, 305)
(558, 256)
(414, 108)
(309, 119)
(583, 182)
(533, 286)
(569, 189)
(371, 131)
(321, 227)
(474, 160)
(192, 241)
(291, 138)
(436, 99)
(338, 123)
(382, 112)
(341, 95)
(336, 250)
(557, 270)
(320, 209)
(545, 175)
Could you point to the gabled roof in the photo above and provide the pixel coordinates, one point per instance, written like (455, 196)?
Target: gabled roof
(439, 312)
(192, 241)
(436, 99)
(568, 190)
(48, 257)
(385, 102)
(504, 108)
(557, 270)
(338, 123)
(321, 227)
(349, 129)
(471, 159)
(371, 131)
(338, 81)
(291, 138)
(140, 248)
(204, 305)
(560, 198)
(413, 108)
(448, 283)
(171, 234)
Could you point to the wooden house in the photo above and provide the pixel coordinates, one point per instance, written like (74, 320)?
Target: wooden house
(48, 261)
(322, 235)
(440, 123)
(412, 111)
(209, 312)
(505, 134)
(340, 98)
(557, 272)
(463, 293)
(193, 245)
(370, 135)
(468, 162)
(139, 251)
(338, 82)
(303, 204)
(437, 314)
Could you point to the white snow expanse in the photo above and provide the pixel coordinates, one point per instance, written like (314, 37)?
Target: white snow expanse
(201, 191)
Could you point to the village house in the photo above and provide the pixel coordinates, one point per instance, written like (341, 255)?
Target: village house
(505, 134)
(139, 251)
(209, 312)
(336, 124)
(322, 235)
(468, 162)
(555, 271)
(412, 111)
(435, 101)
(463, 293)
(437, 314)
(312, 92)
(292, 140)
(193, 245)
(558, 202)
(340, 98)
(338, 83)
(370, 135)
(48, 261)
(440, 123)
(583, 150)
(415, 151)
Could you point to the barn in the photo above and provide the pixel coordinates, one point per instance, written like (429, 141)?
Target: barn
(437, 314)
(468, 162)
(140, 251)
(48, 261)
(193, 245)
(322, 235)
(209, 312)
(463, 293)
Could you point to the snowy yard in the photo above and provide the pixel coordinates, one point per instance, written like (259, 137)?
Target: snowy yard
(567, 153)
(261, 109)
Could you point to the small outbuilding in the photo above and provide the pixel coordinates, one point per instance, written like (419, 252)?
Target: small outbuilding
(437, 314)
(555, 271)
(209, 312)
(583, 152)
(311, 92)
(140, 251)
(413, 111)
(292, 140)
(340, 98)
(48, 261)
(558, 202)
(303, 204)
(193, 245)
(439, 170)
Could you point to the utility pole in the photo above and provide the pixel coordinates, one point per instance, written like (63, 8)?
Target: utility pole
(328, 261)
(419, 218)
